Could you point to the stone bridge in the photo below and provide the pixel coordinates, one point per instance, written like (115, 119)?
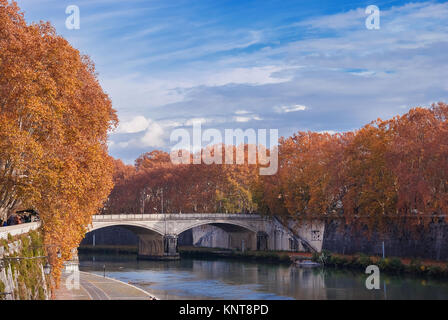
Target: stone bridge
(158, 233)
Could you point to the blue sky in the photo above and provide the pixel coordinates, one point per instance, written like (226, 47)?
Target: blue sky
(287, 65)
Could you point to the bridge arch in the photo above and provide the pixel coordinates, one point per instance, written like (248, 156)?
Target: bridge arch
(130, 225)
(226, 234)
(217, 223)
(151, 240)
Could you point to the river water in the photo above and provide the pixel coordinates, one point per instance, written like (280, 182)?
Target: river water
(231, 279)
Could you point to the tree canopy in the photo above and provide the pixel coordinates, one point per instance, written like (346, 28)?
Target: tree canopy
(54, 123)
(388, 173)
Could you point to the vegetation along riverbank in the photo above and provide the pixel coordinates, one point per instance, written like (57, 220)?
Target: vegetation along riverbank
(389, 264)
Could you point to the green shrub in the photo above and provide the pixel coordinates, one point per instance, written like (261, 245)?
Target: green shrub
(363, 261)
(334, 261)
(435, 271)
(325, 257)
(347, 262)
(2, 289)
(415, 266)
(27, 272)
(338, 261)
(383, 264)
(41, 295)
(284, 258)
(395, 265)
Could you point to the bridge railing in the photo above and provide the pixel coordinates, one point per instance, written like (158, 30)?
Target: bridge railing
(175, 216)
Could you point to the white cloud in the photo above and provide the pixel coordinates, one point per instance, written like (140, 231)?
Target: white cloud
(349, 19)
(143, 32)
(246, 118)
(328, 131)
(294, 108)
(170, 123)
(124, 144)
(135, 91)
(139, 91)
(367, 73)
(242, 119)
(253, 75)
(190, 122)
(187, 48)
(137, 124)
(349, 75)
(154, 136)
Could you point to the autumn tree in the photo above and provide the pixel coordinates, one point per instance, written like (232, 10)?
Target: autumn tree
(157, 185)
(300, 188)
(369, 187)
(419, 160)
(236, 189)
(388, 174)
(122, 198)
(153, 159)
(54, 122)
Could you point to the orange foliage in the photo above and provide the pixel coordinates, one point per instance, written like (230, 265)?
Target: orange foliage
(156, 182)
(419, 160)
(54, 120)
(391, 173)
(388, 173)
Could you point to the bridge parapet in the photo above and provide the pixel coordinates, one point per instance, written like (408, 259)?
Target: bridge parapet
(178, 216)
(18, 229)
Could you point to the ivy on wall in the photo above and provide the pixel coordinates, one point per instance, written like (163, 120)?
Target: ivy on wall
(28, 280)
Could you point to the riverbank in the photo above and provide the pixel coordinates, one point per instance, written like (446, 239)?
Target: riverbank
(95, 287)
(262, 256)
(393, 265)
(202, 252)
(114, 249)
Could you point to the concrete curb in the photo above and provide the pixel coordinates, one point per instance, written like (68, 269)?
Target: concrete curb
(130, 285)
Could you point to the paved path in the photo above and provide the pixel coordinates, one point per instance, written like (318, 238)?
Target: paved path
(95, 287)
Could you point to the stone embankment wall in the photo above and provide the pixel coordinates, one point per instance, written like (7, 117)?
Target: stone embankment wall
(430, 243)
(310, 231)
(23, 279)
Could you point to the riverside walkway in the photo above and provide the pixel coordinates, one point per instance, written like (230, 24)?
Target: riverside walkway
(95, 287)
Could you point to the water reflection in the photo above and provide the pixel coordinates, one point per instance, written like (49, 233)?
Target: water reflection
(230, 279)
